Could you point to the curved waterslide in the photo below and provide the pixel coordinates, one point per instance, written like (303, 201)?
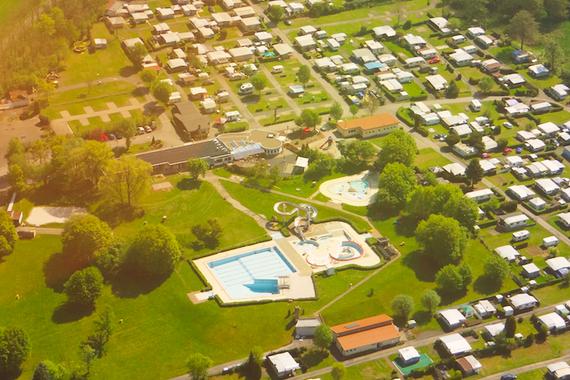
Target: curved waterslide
(305, 215)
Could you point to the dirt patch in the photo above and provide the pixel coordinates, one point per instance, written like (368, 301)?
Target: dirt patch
(162, 186)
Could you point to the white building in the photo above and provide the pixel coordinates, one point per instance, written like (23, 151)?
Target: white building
(522, 301)
(451, 318)
(494, 329)
(547, 186)
(283, 364)
(520, 192)
(507, 252)
(479, 196)
(455, 344)
(553, 322)
(437, 82)
(560, 266)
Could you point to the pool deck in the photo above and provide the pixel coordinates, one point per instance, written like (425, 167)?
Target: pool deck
(325, 189)
(300, 282)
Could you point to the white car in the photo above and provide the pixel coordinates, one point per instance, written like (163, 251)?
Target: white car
(246, 88)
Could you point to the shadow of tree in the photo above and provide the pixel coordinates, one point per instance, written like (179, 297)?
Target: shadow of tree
(486, 285)
(449, 298)
(130, 284)
(188, 184)
(422, 264)
(127, 71)
(140, 91)
(69, 312)
(58, 268)
(115, 214)
(422, 317)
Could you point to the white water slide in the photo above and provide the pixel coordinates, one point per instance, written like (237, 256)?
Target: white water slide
(305, 215)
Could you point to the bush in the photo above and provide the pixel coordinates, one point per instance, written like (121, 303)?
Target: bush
(84, 287)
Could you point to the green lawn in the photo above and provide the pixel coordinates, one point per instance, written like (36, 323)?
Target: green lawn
(428, 157)
(374, 370)
(95, 96)
(553, 348)
(262, 203)
(300, 186)
(109, 62)
(186, 208)
(160, 328)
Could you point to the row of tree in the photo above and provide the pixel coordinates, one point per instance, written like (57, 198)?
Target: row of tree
(77, 171)
(48, 29)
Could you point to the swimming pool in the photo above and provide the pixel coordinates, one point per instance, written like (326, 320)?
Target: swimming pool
(253, 273)
(357, 190)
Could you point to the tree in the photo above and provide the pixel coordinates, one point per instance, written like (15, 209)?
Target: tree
(398, 146)
(523, 26)
(452, 138)
(47, 370)
(304, 74)
(554, 54)
(320, 168)
(17, 178)
(323, 337)
(556, 9)
(14, 350)
(127, 179)
(104, 327)
(198, 366)
(372, 103)
(510, 327)
(148, 76)
(476, 141)
(338, 371)
(252, 366)
(208, 232)
(84, 287)
(138, 52)
(336, 111)
(358, 154)
(442, 238)
(452, 90)
(474, 172)
(462, 209)
(197, 168)
(486, 84)
(451, 280)
(421, 203)
(258, 82)
(496, 270)
(395, 184)
(161, 90)
(8, 235)
(353, 109)
(430, 300)
(275, 13)
(310, 118)
(402, 306)
(154, 251)
(84, 235)
(128, 129)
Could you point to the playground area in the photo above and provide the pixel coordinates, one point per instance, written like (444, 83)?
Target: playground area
(282, 268)
(356, 190)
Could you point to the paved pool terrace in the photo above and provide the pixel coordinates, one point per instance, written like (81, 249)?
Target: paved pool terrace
(282, 268)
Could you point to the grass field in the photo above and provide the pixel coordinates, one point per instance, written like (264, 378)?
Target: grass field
(95, 96)
(186, 206)
(160, 329)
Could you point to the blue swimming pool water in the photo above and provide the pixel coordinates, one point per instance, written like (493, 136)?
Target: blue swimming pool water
(360, 187)
(252, 274)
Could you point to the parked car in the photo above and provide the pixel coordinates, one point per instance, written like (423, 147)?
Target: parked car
(509, 376)
(147, 129)
(507, 125)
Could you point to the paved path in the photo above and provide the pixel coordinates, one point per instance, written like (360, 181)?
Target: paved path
(215, 181)
(352, 288)
(290, 102)
(527, 368)
(42, 230)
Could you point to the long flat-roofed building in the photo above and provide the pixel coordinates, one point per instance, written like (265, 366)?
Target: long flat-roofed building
(371, 126)
(368, 334)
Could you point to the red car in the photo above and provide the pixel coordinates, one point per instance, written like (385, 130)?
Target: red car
(485, 155)
(433, 60)
(507, 150)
